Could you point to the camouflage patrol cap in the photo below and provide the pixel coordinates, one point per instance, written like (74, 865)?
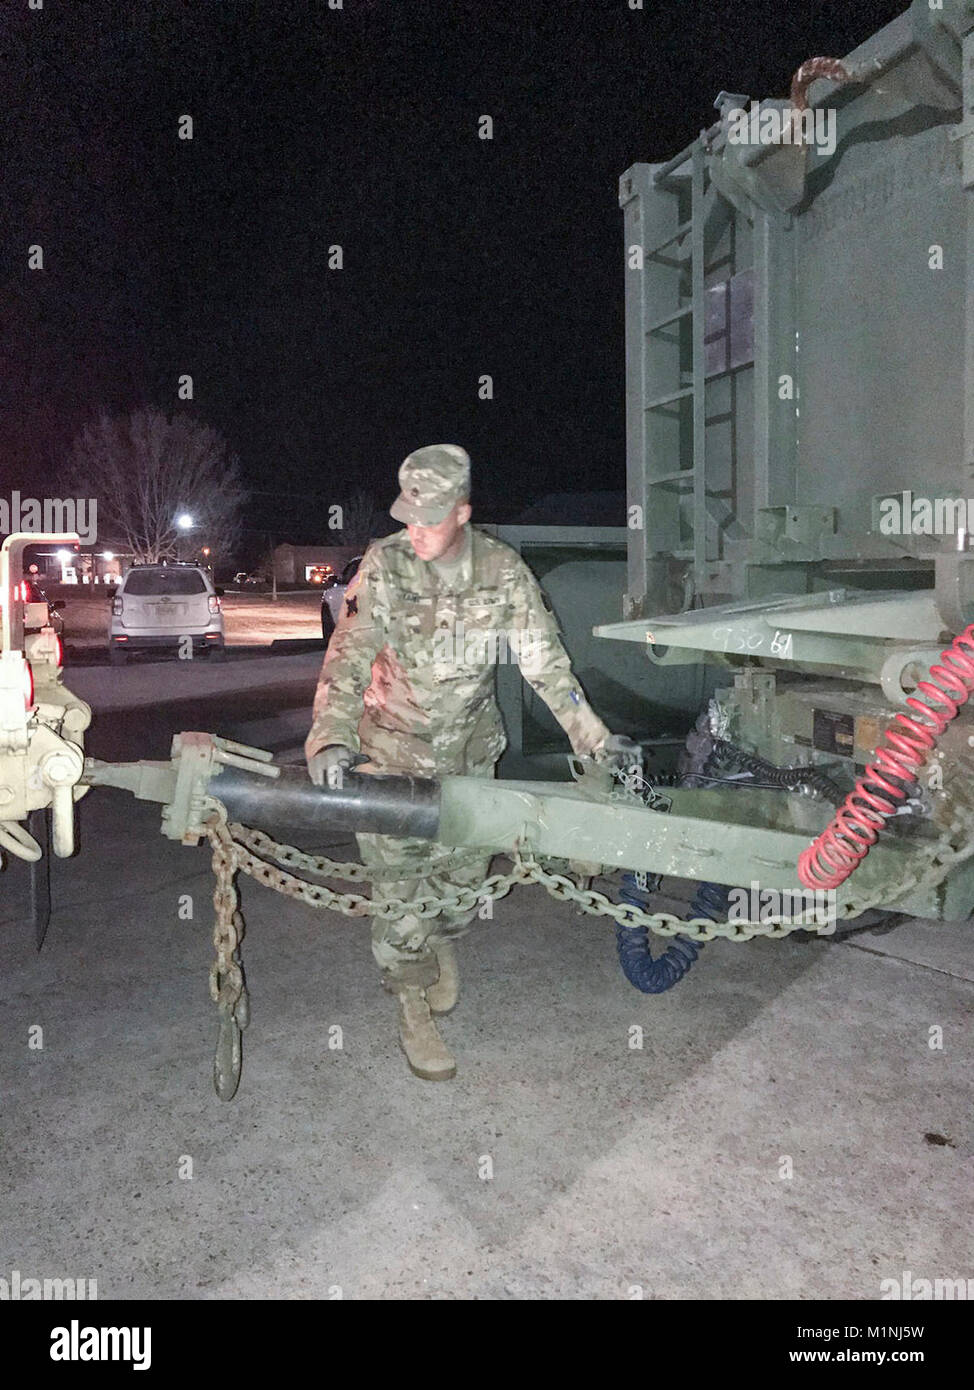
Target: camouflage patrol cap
(432, 481)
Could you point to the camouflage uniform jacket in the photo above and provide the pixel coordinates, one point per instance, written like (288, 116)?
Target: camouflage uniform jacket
(418, 656)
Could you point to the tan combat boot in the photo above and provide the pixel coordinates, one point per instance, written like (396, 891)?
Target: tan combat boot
(426, 1052)
(442, 996)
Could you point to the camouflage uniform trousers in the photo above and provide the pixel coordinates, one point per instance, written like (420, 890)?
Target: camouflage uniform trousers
(404, 947)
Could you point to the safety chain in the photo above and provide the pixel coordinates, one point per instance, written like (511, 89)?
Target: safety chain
(632, 783)
(704, 929)
(290, 857)
(941, 855)
(234, 845)
(227, 988)
(354, 905)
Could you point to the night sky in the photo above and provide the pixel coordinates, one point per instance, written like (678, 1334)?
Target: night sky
(356, 126)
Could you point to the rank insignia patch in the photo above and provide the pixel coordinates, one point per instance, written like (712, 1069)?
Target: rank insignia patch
(351, 606)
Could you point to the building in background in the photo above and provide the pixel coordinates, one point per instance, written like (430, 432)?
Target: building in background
(307, 564)
(89, 565)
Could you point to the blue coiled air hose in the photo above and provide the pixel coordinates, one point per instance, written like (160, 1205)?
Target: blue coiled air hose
(632, 943)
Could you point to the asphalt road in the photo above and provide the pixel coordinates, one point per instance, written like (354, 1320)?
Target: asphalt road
(777, 1126)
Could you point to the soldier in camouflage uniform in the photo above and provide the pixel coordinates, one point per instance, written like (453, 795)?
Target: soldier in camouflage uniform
(408, 681)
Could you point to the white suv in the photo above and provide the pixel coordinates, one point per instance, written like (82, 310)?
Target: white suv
(161, 606)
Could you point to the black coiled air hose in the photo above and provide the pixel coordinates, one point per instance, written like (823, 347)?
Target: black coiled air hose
(787, 778)
(710, 899)
(632, 943)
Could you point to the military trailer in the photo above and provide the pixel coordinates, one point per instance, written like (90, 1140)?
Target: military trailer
(800, 439)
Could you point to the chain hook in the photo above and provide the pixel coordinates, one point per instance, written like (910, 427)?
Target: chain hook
(228, 1061)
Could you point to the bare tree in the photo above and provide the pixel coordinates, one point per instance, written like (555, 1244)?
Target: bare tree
(358, 514)
(147, 469)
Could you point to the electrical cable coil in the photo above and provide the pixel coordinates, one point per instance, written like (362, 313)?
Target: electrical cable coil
(884, 786)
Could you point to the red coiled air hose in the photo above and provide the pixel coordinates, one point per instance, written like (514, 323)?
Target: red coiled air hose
(855, 828)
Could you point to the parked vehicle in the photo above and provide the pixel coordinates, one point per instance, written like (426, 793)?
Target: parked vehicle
(334, 596)
(158, 606)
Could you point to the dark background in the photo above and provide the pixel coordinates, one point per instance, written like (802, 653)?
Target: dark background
(357, 126)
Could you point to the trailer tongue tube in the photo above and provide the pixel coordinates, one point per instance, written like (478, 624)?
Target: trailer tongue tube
(403, 806)
(705, 835)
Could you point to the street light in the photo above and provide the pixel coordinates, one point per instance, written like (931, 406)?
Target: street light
(65, 558)
(184, 523)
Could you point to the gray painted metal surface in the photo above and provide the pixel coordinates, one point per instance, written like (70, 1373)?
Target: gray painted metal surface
(800, 350)
(793, 354)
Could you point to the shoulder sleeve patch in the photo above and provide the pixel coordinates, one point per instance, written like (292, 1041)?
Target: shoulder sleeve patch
(355, 582)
